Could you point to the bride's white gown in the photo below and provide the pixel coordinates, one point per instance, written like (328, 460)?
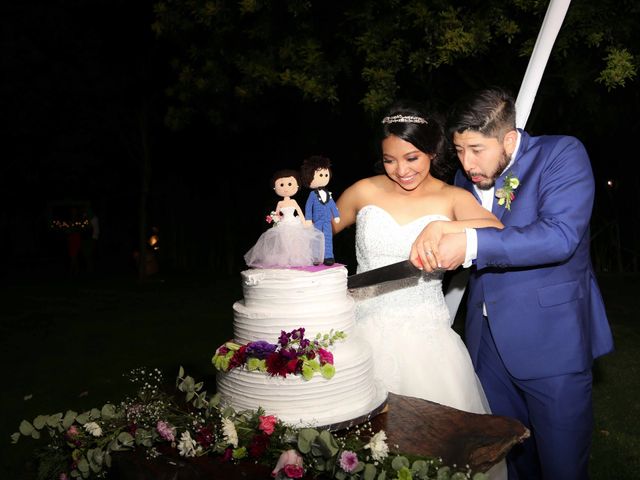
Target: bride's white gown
(407, 323)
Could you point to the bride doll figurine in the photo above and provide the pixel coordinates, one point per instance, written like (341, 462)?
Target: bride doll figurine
(291, 241)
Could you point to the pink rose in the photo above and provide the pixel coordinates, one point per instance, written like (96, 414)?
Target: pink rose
(267, 423)
(325, 356)
(290, 458)
(73, 431)
(269, 219)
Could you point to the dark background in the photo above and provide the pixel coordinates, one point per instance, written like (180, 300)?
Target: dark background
(84, 105)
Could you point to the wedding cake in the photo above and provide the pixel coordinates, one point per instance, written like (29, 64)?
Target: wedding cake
(313, 303)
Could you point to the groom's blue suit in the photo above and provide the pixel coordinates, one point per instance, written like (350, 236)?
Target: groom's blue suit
(545, 320)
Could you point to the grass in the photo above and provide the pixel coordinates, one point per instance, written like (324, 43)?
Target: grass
(66, 344)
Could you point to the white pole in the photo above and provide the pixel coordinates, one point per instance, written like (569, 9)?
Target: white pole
(551, 24)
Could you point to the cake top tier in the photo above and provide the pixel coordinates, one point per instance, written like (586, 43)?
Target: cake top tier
(291, 287)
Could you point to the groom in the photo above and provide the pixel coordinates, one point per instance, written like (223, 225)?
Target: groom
(535, 317)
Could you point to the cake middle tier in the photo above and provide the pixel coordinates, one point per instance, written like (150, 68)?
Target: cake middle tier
(251, 324)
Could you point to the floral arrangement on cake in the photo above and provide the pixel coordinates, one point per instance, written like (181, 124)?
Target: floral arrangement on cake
(293, 354)
(82, 445)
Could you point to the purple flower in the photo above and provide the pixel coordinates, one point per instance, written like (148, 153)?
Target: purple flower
(298, 333)
(348, 461)
(260, 349)
(284, 338)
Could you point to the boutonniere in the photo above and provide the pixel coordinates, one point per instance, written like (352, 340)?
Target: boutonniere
(505, 194)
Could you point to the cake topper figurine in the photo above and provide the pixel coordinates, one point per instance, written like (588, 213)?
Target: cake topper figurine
(292, 241)
(320, 207)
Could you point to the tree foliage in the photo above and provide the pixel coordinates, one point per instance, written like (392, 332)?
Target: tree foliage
(226, 53)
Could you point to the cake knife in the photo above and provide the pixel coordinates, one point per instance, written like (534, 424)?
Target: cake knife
(395, 271)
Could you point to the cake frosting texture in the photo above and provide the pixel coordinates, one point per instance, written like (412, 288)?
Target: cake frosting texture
(277, 300)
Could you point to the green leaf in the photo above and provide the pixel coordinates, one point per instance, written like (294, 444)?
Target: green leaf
(340, 475)
(369, 472)
(383, 475)
(83, 418)
(69, 418)
(307, 372)
(126, 439)
(420, 468)
(54, 420)
(328, 370)
(95, 413)
(40, 421)
(108, 412)
(83, 466)
(306, 437)
(328, 444)
(26, 428)
(399, 462)
(15, 437)
(444, 473)
(480, 476)
(35, 434)
(215, 400)
(181, 372)
(405, 474)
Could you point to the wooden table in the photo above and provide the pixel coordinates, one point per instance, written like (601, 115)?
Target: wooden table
(417, 426)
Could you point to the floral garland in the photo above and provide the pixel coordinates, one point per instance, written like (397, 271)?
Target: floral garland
(82, 445)
(292, 355)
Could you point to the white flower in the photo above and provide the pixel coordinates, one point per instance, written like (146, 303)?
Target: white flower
(187, 446)
(229, 431)
(93, 428)
(378, 446)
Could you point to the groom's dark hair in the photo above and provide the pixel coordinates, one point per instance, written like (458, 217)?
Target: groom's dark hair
(491, 112)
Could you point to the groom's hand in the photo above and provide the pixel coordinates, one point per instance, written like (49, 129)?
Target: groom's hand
(452, 250)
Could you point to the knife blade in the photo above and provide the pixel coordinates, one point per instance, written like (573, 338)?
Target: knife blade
(388, 273)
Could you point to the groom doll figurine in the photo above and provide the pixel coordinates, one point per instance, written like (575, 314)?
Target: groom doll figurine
(320, 207)
(535, 317)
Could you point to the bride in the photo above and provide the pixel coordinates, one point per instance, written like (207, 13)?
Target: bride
(416, 352)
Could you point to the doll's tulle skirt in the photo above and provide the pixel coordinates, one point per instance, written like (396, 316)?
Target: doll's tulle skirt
(287, 245)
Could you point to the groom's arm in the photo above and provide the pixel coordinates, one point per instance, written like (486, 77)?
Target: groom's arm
(564, 202)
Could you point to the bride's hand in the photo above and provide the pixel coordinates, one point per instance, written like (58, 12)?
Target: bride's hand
(424, 251)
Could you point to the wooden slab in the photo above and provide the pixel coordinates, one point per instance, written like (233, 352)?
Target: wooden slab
(422, 427)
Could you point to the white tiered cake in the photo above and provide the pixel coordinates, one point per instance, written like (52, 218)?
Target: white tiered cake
(277, 300)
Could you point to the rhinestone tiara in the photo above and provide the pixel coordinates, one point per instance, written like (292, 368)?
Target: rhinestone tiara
(404, 119)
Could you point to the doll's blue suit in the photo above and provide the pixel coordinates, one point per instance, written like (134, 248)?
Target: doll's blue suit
(321, 213)
(546, 320)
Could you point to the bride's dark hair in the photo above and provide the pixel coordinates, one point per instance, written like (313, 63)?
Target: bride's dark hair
(425, 133)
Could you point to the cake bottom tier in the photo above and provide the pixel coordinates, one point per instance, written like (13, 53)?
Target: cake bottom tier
(351, 393)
